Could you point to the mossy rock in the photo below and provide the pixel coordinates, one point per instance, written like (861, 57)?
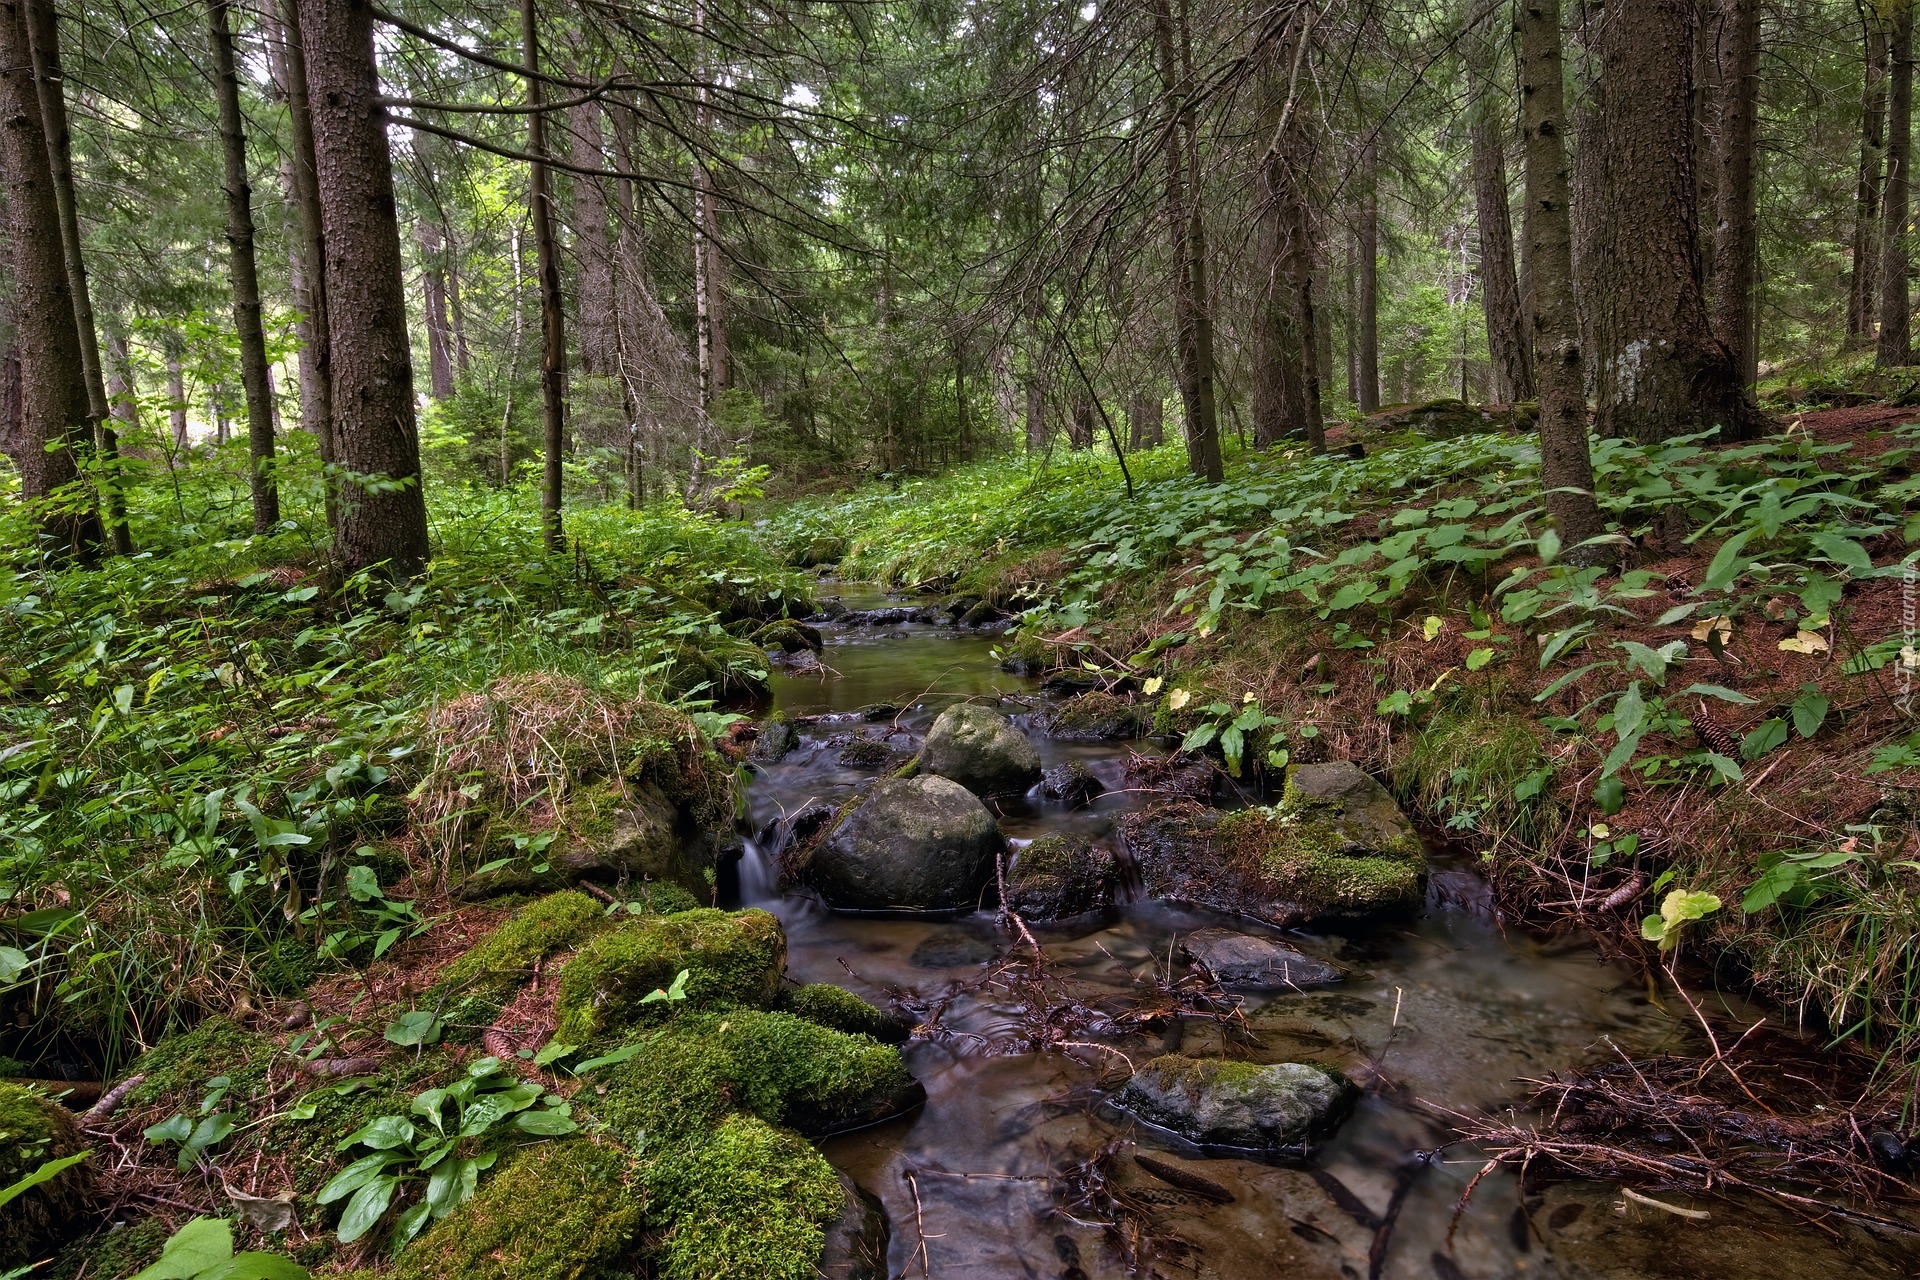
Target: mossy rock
(34, 1130)
(1449, 419)
(1336, 847)
(473, 989)
(788, 636)
(1095, 717)
(1059, 876)
(1242, 1105)
(839, 1008)
(747, 1202)
(117, 1252)
(567, 1210)
(732, 960)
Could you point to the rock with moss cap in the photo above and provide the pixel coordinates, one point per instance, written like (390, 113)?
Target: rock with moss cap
(1096, 716)
(788, 636)
(1335, 847)
(1059, 876)
(33, 1131)
(747, 1202)
(473, 989)
(552, 1211)
(836, 1007)
(732, 961)
(1216, 1103)
(914, 844)
(981, 750)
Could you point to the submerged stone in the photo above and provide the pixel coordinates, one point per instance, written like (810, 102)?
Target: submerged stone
(1335, 847)
(1215, 1103)
(1239, 959)
(914, 844)
(981, 750)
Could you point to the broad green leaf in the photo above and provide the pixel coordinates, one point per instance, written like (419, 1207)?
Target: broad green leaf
(256, 1266)
(1726, 564)
(1767, 735)
(1810, 712)
(195, 1247)
(382, 1134)
(47, 1171)
(369, 1203)
(1842, 551)
(415, 1027)
(547, 1124)
(1479, 658)
(175, 1128)
(356, 1175)
(1716, 691)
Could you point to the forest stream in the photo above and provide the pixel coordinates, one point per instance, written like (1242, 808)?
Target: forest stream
(1444, 1012)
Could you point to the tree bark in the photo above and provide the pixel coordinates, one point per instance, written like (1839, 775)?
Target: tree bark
(243, 274)
(53, 395)
(1736, 241)
(1507, 344)
(316, 356)
(123, 394)
(1566, 467)
(553, 337)
(43, 34)
(708, 269)
(1895, 345)
(370, 364)
(1186, 228)
(1367, 256)
(1286, 375)
(176, 392)
(433, 289)
(1038, 436)
(1864, 275)
(1667, 374)
(599, 333)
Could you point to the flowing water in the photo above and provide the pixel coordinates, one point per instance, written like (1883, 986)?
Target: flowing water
(1443, 1012)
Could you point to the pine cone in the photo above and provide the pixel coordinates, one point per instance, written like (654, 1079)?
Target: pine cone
(1716, 736)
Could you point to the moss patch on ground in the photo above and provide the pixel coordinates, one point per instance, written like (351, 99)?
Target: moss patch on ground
(748, 1202)
(181, 1065)
(33, 1130)
(732, 960)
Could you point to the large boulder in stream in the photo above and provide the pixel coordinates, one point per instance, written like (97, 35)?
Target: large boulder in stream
(914, 844)
(1335, 847)
(981, 750)
(1216, 1103)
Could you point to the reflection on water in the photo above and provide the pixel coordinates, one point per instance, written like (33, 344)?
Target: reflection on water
(1438, 1013)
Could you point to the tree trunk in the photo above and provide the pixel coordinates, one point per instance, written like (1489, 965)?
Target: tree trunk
(316, 356)
(1186, 227)
(244, 274)
(1895, 345)
(1667, 374)
(708, 270)
(1862, 278)
(43, 34)
(176, 392)
(433, 289)
(1367, 255)
(553, 337)
(1037, 433)
(1566, 468)
(1507, 352)
(599, 334)
(369, 361)
(123, 395)
(53, 393)
(1146, 421)
(1736, 241)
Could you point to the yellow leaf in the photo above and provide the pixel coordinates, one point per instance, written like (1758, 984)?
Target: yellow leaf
(1431, 627)
(1805, 642)
(1707, 626)
(1152, 686)
(1179, 698)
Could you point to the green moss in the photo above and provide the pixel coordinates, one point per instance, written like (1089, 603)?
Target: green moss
(663, 897)
(748, 1202)
(337, 1114)
(558, 922)
(287, 967)
(667, 749)
(836, 1007)
(1059, 876)
(33, 1130)
(552, 1211)
(1095, 715)
(1304, 857)
(732, 961)
(113, 1253)
(181, 1065)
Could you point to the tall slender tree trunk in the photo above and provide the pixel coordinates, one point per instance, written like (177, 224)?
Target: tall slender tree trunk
(1367, 257)
(1736, 239)
(123, 394)
(43, 34)
(433, 291)
(599, 331)
(1566, 468)
(53, 431)
(1862, 297)
(243, 273)
(1186, 228)
(1895, 345)
(1286, 375)
(708, 267)
(1668, 374)
(316, 356)
(1038, 436)
(176, 392)
(1507, 342)
(370, 364)
(553, 337)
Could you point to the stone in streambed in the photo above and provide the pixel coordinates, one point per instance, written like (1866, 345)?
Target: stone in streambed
(1056, 877)
(914, 844)
(981, 750)
(1216, 1103)
(1242, 960)
(1335, 847)
(1072, 784)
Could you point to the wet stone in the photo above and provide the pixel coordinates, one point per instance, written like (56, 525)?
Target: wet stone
(1244, 960)
(953, 949)
(981, 750)
(1241, 1105)
(1071, 784)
